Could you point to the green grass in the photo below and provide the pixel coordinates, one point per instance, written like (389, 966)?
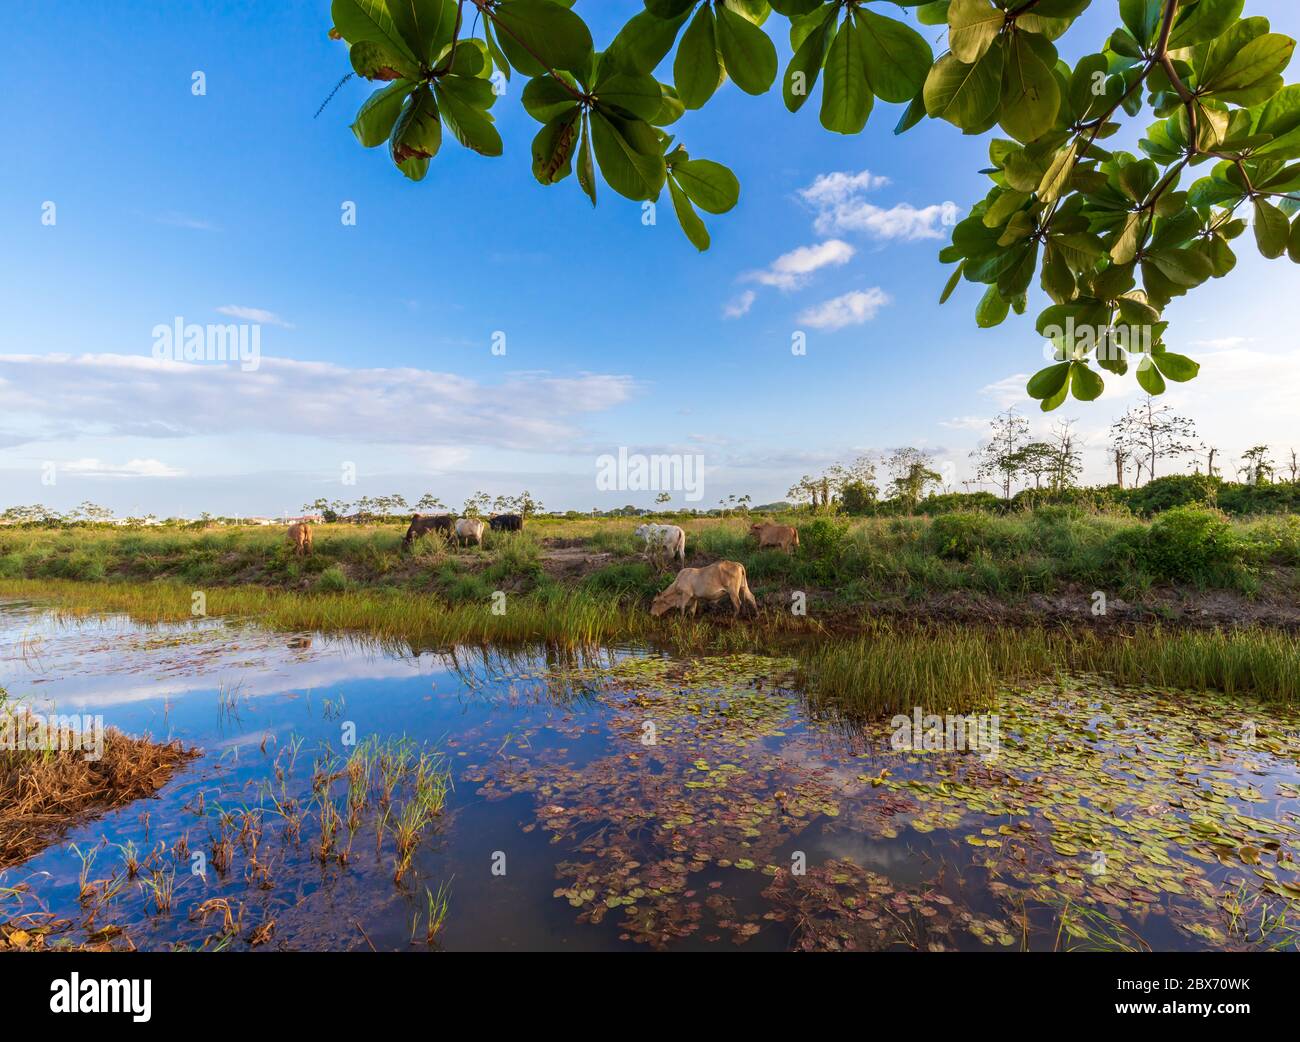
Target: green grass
(960, 669)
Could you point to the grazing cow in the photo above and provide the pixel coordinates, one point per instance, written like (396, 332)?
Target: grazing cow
(506, 523)
(469, 529)
(300, 538)
(664, 537)
(692, 585)
(422, 524)
(784, 537)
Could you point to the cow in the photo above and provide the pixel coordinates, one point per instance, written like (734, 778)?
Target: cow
(300, 538)
(663, 537)
(422, 524)
(470, 529)
(692, 585)
(506, 523)
(784, 537)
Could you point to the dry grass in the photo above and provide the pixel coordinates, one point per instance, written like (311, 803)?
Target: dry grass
(45, 791)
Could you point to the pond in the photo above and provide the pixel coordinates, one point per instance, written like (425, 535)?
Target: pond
(351, 796)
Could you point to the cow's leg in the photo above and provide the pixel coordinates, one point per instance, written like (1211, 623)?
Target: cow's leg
(735, 602)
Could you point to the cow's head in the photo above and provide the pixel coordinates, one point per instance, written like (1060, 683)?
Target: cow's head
(640, 531)
(671, 598)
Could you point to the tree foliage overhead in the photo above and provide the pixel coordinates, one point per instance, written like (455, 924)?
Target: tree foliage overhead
(1110, 236)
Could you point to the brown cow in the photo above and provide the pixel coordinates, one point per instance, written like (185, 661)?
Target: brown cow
(692, 585)
(784, 537)
(300, 538)
(422, 524)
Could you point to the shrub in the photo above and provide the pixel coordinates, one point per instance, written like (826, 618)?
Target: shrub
(958, 536)
(332, 580)
(1192, 543)
(1174, 490)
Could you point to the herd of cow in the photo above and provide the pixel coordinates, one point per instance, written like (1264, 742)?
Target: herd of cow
(691, 586)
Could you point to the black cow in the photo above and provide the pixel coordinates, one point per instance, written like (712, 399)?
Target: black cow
(422, 524)
(507, 523)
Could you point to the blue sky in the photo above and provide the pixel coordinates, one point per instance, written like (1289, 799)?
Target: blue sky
(376, 338)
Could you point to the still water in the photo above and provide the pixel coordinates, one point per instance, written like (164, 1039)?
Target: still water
(629, 800)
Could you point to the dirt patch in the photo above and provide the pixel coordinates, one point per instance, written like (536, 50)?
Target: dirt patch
(54, 777)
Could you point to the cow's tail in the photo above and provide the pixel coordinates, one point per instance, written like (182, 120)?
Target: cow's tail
(681, 546)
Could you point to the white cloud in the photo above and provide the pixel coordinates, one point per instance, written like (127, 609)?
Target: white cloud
(136, 468)
(965, 423)
(840, 205)
(851, 309)
(260, 315)
(833, 189)
(739, 305)
(110, 395)
(794, 269)
(1008, 391)
(1223, 343)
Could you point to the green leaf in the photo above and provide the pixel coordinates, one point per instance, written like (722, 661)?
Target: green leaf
(696, 70)
(553, 148)
(1261, 59)
(1182, 267)
(361, 20)
(747, 52)
(806, 65)
(643, 42)
(687, 217)
(709, 185)
(1178, 368)
(1047, 383)
(1149, 378)
(992, 309)
(533, 32)
(638, 95)
(1057, 175)
(374, 61)
(952, 283)
(377, 115)
(586, 164)
(1293, 244)
(1031, 96)
(628, 154)
(417, 134)
(545, 97)
(461, 104)
(1142, 18)
(1272, 230)
(897, 57)
(846, 97)
(1085, 384)
(1205, 21)
(972, 25)
(964, 95)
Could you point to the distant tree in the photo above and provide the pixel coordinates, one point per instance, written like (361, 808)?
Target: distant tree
(1256, 465)
(1037, 460)
(1067, 460)
(999, 459)
(92, 511)
(913, 473)
(477, 504)
(430, 502)
(1295, 466)
(525, 505)
(1151, 433)
(857, 498)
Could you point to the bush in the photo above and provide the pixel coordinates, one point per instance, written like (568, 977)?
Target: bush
(1192, 543)
(332, 580)
(958, 536)
(954, 502)
(1175, 490)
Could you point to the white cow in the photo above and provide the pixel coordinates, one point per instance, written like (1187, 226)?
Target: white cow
(469, 530)
(664, 537)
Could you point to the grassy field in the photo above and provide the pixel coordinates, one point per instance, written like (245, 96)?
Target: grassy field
(846, 563)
